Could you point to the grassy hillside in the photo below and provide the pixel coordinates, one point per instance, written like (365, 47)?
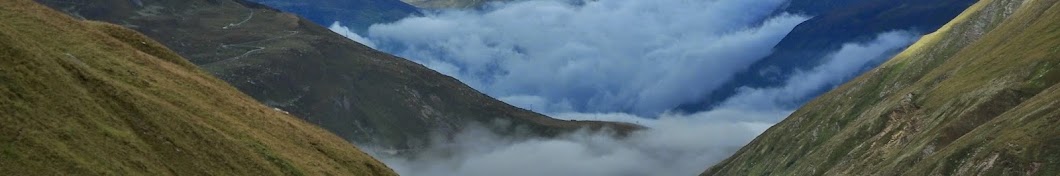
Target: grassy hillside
(287, 62)
(834, 23)
(89, 98)
(978, 97)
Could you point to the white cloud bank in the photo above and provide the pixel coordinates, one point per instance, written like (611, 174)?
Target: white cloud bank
(576, 59)
(675, 144)
(346, 32)
(851, 60)
(637, 56)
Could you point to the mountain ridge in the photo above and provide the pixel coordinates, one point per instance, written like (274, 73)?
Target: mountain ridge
(978, 97)
(834, 23)
(84, 97)
(356, 14)
(293, 64)
(449, 4)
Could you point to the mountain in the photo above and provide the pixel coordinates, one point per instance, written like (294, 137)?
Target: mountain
(977, 97)
(90, 98)
(356, 14)
(834, 23)
(449, 4)
(290, 63)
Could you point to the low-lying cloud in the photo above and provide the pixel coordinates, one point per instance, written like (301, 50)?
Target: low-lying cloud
(851, 60)
(613, 60)
(346, 32)
(635, 56)
(678, 146)
(674, 144)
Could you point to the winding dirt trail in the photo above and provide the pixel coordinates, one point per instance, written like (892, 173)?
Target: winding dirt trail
(254, 48)
(231, 25)
(248, 45)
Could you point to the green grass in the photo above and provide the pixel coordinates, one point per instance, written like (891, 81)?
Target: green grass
(319, 75)
(90, 98)
(985, 84)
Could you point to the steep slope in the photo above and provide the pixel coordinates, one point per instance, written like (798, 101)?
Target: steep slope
(978, 97)
(816, 7)
(834, 23)
(287, 62)
(356, 14)
(89, 98)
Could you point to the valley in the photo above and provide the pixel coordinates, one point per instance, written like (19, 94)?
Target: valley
(290, 63)
(529, 88)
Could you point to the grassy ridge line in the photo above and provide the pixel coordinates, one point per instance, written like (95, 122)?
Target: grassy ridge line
(361, 94)
(98, 99)
(977, 97)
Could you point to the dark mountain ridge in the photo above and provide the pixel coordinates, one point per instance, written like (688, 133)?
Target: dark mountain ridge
(293, 64)
(355, 14)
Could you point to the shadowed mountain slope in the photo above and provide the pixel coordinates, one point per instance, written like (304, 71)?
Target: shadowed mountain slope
(978, 97)
(454, 4)
(287, 62)
(90, 98)
(356, 14)
(834, 23)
